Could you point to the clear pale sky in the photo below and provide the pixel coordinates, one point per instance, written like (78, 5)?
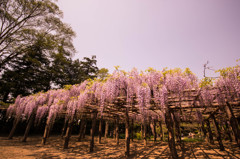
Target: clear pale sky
(156, 33)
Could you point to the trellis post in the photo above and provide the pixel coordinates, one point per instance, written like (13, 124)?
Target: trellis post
(29, 125)
(210, 135)
(100, 131)
(153, 128)
(93, 116)
(145, 132)
(68, 132)
(132, 127)
(226, 128)
(64, 127)
(218, 133)
(44, 139)
(161, 131)
(233, 122)
(106, 129)
(15, 123)
(127, 137)
(117, 130)
(171, 137)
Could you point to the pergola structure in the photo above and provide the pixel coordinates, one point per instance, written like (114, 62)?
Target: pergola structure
(205, 105)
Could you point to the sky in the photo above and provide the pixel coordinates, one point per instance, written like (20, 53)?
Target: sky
(156, 33)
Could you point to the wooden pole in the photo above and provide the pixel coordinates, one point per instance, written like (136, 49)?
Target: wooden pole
(84, 129)
(106, 129)
(29, 125)
(64, 128)
(177, 130)
(171, 137)
(233, 122)
(117, 130)
(127, 137)
(145, 132)
(15, 123)
(153, 128)
(142, 131)
(100, 131)
(161, 131)
(44, 139)
(68, 133)
(203, 130)
(228, 132)
(210, 135)
(93, 116)
(219, 139)
(132, 127)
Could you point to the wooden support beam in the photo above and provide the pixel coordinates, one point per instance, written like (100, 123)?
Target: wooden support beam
(132, 129)
(178, 131)
(210, 135)
(47, 128)
(117, 130)
(93, 116)
(100, 131)
(153, 128)
(203, 130)
(80, 130)
(227, 130)
(29, 125)
(127, 137)
(171, 137)
(145, 132)
(15, 123)
(233, 122)
(161, 131)
(219, 138)
(106, 129)
(64, 128)
(68, 133)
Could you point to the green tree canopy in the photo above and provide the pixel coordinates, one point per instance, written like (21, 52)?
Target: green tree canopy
(22, 21)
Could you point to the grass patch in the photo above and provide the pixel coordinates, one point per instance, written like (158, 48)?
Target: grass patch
(192, 139)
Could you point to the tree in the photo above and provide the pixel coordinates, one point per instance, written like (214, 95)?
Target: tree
(21, 23)
(103, 73)
(27, 74)
(67, 71)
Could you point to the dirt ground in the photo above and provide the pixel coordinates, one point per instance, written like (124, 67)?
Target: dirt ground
(32, 149)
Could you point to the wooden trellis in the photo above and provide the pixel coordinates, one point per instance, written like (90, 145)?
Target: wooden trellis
(185, 104)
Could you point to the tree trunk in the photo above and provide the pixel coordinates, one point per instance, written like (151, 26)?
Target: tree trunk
(219, 139)
(171, 138)
(127, 137)
(29, 125)
(15, 123)
(210, 135)
(93, 116)
(68, 133)
(100, 131)
(106, 129)
(142, 131)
